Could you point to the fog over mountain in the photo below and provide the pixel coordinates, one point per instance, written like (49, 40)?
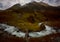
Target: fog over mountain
(4, 4)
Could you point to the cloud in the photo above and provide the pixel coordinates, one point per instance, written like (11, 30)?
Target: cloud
(1, 5)
(47, 31)
(13, 31)
(54, 3)
(5, 4)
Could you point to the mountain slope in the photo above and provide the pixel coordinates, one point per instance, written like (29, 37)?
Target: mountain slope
(30, 15)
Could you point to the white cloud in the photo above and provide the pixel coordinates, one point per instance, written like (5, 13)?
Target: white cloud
(13, 31)
(45, 32)
(9, 3)
(23, 2)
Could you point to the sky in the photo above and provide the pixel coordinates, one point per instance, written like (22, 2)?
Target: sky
(5, 4)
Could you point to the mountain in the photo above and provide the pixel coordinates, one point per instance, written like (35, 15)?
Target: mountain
(29, 15)
(38, 6)
(33, 6)
(15, 7)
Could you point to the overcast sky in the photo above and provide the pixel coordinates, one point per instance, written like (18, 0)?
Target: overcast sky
(4, 4)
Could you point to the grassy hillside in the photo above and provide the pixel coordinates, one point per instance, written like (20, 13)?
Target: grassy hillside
(30, 15)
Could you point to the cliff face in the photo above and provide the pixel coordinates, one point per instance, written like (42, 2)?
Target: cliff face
(29, 15)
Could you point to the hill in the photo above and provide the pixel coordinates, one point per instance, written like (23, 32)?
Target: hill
(30, 15)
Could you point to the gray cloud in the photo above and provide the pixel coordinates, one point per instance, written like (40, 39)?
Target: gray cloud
(5, 4)
(52, 2)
